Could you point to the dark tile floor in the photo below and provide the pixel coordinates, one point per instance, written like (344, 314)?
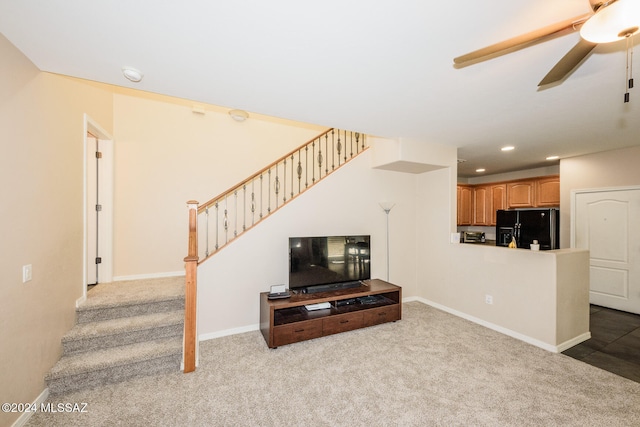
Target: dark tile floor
(614, 344)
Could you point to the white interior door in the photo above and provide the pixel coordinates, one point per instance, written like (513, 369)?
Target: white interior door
(608, 224)
(92, 213)
(98, 185)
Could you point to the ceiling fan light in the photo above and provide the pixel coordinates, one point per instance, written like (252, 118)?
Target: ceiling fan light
(613, 22)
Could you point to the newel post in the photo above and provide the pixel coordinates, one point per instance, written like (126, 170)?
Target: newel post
(191, 281)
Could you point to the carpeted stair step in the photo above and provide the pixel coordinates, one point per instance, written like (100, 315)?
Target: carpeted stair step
(123, 331)
(132, 298)
(115, 364)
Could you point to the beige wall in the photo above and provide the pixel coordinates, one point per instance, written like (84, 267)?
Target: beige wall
(41, 211)
(525, 286)
(346, 202)
(615, 168)
(166, 155)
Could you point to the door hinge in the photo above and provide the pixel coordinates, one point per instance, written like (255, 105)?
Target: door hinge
(98, 260)
(98, 208)
(98, 155)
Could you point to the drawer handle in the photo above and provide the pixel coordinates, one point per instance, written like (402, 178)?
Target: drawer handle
(299, 330)
(344, 321)
(382, 314)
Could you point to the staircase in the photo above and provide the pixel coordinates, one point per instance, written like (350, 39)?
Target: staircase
(123, 330)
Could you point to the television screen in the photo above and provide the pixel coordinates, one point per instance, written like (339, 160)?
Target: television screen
(329, 260)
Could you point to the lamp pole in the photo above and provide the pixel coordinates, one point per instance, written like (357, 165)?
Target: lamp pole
(386, 207)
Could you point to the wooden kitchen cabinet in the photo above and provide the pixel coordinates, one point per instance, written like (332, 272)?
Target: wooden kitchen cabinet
(487, 199)
(481, 206)
(521, 194)
(465, 204)
(497, 201)
(548, 191)
(477, 204)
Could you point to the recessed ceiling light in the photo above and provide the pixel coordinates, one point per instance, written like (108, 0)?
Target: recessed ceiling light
(508, 148)
(480, 170)
(132, 74)
(553, 157)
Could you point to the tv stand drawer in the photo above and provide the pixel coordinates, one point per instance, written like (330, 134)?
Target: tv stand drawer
(375, 316)
(295, 332)
(342, 323)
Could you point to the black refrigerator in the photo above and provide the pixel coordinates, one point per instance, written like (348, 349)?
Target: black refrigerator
(527, 225)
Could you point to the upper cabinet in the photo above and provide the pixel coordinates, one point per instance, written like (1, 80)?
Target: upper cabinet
(465, 204)
(548, 191)
(521, 194)
(477, 204)
(480, 205)
(497, 199)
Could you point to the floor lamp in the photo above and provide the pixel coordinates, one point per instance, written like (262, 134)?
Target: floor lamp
(386, 207)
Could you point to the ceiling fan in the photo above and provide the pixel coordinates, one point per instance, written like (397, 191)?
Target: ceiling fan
(610, 21)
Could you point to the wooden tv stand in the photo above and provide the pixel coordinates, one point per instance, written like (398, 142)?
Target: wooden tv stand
(285, 321)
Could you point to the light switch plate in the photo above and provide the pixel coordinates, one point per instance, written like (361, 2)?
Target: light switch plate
(26, 273)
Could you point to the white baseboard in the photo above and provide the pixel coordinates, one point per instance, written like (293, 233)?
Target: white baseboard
(227, 332)
(513, 334)
(149, 276)
(574, 341)
(22, 420)
(80, 300)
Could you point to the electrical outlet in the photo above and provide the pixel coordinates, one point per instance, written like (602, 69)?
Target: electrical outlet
(26, 273)
(488, 299)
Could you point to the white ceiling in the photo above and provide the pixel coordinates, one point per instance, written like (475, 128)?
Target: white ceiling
(381, 67)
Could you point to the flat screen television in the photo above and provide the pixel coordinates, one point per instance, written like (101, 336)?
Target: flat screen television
(332, 262)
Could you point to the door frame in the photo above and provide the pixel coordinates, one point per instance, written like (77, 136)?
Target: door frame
(106, 197)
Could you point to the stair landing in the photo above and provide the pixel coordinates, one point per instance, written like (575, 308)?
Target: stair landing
(129, 292)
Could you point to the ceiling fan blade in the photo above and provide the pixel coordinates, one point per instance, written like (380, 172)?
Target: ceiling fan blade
(519, 42)
(568, 62)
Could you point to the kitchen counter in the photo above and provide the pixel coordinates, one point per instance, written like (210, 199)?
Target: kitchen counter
(540, 297)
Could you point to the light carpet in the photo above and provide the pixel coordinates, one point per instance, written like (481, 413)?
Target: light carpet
(429, 369)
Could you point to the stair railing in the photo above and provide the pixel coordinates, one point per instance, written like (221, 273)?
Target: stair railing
(221, 220)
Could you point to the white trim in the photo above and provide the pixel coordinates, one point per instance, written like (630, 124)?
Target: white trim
(80, 300)
(497, 328)
(24, 418)
(228, 332)
(574, 341)
(149, 276)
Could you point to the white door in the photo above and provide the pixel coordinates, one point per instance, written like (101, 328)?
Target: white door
(608, 224)
(99, 205)
(93, 214)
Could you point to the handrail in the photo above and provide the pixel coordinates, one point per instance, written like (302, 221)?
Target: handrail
(266, 189)
(231, 213)
(212, 201)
